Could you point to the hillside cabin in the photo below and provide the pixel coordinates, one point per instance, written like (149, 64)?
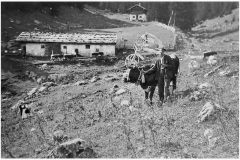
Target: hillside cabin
(137, 13)
(86, 44)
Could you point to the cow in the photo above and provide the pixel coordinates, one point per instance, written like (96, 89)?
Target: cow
(135, 75)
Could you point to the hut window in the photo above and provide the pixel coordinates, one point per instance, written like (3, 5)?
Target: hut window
(87, 46)
(64, 47)
(42, 46)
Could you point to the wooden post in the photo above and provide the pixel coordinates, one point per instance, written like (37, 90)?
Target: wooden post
(170, 19)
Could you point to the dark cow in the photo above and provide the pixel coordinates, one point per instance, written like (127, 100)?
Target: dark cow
(134, 75)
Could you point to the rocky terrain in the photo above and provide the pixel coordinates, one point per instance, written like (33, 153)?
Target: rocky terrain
(83, 108)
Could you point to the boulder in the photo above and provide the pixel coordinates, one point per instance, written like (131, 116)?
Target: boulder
(75, 148)
(209, 110)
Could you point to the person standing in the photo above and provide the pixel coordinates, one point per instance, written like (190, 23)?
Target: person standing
(162, 68)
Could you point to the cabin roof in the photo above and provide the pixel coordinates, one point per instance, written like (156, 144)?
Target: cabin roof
(105, 38)
(137, 5)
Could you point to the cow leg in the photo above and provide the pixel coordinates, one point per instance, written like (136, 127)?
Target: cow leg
(146, 95)
(152, 89)
(174, 80)
(161, 89)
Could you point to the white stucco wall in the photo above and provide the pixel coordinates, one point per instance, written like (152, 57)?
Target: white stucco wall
(132, 17)
(142, 17)
(34, 49)
(106, 49)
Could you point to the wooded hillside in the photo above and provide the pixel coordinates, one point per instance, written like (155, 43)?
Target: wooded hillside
(187, 13)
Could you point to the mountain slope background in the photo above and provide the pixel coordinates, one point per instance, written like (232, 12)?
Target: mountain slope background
(60, 16)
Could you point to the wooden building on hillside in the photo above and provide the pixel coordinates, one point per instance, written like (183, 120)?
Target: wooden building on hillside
(137, 13)
(86, 44)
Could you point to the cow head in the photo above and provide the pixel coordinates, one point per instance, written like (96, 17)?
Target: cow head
(131, 74)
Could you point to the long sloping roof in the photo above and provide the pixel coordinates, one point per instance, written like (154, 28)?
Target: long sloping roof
(137, 5)
(105, 38)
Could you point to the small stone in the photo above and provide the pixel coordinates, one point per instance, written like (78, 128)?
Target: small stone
(33, 91)
(205, 85)
(212, 142)
(208, 133)
(125, 103)
(38, 150)
(48, 84)
(33, 129)
(94, 79)
(83, 96)
(121, 91)
(59, 117)
(39, 80)
(58, 135)
(36, 21)
(40, 112)
(212, 60)
(43, 88)
(79, 83)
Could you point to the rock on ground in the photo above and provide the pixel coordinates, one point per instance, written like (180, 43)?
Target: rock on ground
(94, 79)
(75, 148)
(125, 103)
(193, 65)
(209, 109)
(34, 90)
(121, 91)
(212, 60)
(79, 83)
(43, 88)
(205, 85)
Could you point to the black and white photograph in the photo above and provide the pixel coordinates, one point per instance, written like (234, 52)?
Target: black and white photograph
(120, 79)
